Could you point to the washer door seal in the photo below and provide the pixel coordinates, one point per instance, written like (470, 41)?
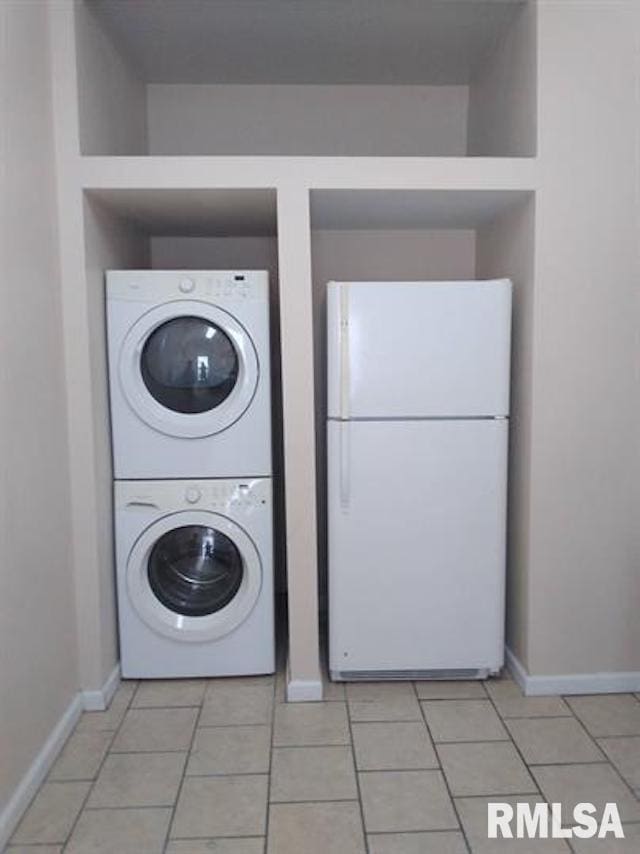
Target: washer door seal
(142, 577)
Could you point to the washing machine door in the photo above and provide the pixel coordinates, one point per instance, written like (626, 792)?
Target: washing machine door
(194, 576)
(188, 369)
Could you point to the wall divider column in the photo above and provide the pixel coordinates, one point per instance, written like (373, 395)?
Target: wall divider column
(304, 681)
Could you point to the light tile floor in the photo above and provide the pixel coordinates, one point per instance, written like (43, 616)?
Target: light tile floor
(226, 766)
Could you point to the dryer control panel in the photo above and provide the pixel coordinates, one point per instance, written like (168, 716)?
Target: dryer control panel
(213, 286)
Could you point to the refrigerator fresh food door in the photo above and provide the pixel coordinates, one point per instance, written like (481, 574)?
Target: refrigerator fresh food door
(416, 544)
(418, 349)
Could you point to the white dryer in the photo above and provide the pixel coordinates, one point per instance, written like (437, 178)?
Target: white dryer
(194, 577)
(189, 373)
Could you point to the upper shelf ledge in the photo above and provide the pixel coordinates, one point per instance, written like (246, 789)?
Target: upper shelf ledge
(438, 173)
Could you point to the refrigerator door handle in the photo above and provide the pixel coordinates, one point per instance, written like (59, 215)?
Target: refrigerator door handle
(345, 479)
(344, 351)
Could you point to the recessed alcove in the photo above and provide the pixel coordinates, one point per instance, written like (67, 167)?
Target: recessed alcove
(408, 78)
(391, 235)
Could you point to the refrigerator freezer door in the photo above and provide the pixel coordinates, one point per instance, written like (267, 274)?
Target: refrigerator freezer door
(416, 544)
(418, 349)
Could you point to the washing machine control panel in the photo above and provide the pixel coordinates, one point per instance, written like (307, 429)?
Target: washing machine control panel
(192, 494)
(219, 496)
(240, 494)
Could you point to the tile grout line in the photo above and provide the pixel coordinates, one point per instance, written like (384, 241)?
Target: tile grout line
(416, 832)
(145, 752)
(83, 808)
(419, 769)
(267, 817)
(168, 706)
(488, 795)
(317, 801)
(471, 741)
(609, 737)
(216, 838)
(365, 833)
(606, 759)
(518, 751)
(534, 717)
(167, 836)
(442, 772)
(230, 726)
(129, 807)
(603, 761)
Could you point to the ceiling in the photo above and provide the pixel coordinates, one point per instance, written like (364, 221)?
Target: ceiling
(306, 41)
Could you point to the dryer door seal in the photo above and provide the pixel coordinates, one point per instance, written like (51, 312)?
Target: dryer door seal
(188, 369)
(194, 576)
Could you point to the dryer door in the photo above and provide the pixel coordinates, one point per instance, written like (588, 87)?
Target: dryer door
(188, 369)
(194, 575)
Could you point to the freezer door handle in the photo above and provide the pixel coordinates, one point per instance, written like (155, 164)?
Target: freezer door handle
(344, 351)
(345, 480)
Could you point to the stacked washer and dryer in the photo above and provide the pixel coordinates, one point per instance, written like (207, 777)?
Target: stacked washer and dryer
(190, 394)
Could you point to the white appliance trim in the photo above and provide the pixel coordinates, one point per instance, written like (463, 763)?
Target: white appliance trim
(616, 682)
(344, 352)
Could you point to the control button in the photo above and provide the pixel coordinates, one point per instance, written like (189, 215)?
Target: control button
(192, 495)
(187, 285)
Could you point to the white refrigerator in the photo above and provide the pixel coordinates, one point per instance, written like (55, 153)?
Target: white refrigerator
(417, 434)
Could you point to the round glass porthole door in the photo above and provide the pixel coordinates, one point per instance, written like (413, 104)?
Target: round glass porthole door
(195, 570)
(194, 575)
(188, 369)
(189, 365)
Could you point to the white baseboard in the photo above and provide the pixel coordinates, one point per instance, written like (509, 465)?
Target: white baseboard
(571, 683)
(303, 690)
(97, 701)
(84, 701)
(38, 770)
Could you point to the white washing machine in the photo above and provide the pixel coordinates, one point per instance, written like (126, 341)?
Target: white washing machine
(195, 577)
(189, 373)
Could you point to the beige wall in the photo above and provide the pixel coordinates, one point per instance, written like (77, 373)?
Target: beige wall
(38, 668)
(109, 244)
(585, 546)
(505, 247)
(582, 480)
(310, 120)
(111, 99)
(502, 115)
(298, 410)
